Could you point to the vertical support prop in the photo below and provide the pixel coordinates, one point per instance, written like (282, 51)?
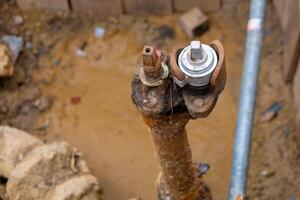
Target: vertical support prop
(243, 131)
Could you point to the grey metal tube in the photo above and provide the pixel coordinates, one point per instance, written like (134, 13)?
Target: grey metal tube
(243, 131)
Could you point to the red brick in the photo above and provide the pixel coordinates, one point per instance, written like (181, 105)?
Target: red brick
(193, 22)
(296, 91)
(97, 8)
(231, 2)
(59, 6)
(204, 5)
(147, 6)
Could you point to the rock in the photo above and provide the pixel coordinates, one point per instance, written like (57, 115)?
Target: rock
(28, 45)
(202, 169)
(271, 112)
(193, 22)
(18, 20)
(15, 44)
(267, 173)
(6, 61)
(99, 32)
(43, 103)
(81, 53)
(34, 170)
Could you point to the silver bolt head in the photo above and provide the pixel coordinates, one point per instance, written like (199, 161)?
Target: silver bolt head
(196, 50)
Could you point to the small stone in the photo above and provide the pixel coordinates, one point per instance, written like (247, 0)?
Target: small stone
(15, 44)
(25, 108)
(193, 22)
(271, 112)
(81, 53)
(56, 62)
(18, 20)
(43, 103)
(6, 63)
(99, 32)
(267, 173)
(203, 169)
(75, 100)
(28, 45)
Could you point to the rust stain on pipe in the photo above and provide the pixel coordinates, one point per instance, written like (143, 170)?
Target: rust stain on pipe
(178, 174)
(173, 153)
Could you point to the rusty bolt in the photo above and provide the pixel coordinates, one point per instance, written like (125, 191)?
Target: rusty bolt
(149, 56)
(151, 61)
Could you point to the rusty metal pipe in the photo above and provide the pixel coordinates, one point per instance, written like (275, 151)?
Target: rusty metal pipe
(178, 175)
(166, 109)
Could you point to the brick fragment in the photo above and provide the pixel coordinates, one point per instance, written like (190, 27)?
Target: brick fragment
(141, 7)
(193, 22)
(204, 5)
(231, 2)
(6, 61)
(56, 6)
(97, 8)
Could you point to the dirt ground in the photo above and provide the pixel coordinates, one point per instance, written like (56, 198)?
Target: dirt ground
(84, 99)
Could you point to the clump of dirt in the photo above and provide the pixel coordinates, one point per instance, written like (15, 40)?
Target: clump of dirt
(35, 170)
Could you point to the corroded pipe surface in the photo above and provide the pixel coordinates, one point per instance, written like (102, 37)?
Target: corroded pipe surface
(173, 153)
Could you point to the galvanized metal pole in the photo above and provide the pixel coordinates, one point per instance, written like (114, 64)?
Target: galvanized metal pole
(247, 101)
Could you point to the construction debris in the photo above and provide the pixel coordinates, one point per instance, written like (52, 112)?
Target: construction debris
(99, 32)
(6, 64)
(39, 171)
(194, 22)
(18, 20)
(206, 6)
(202, 169)
(15, 44)
(271, 112)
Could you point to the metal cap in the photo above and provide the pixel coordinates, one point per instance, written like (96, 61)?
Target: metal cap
(197, 61)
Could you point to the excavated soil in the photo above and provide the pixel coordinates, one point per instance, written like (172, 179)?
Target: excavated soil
(84, 99)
